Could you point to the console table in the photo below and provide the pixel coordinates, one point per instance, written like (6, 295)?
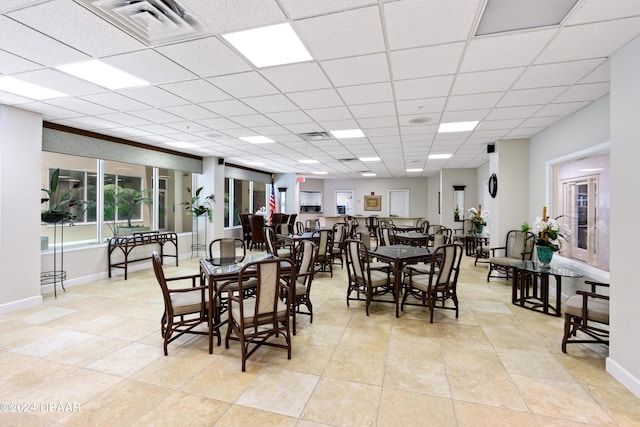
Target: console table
(126, 244)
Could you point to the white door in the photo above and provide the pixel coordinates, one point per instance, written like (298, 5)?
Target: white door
(344, 202)
(399, 203)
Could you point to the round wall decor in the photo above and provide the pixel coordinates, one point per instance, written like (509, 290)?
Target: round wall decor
(493, 185)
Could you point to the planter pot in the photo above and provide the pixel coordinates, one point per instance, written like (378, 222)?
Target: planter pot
(479, 229)
(545, 255)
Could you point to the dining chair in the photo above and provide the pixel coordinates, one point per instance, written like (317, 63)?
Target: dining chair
(440, 285)
(271, 241)
(518, 247)
(306, 254)
(299, 228)
(362, 279)
(255, 321)
(324, 240)
(185, 308)
(586, 312)
(340, 234)
(227, 248)
(257, 233)
(386, 235)
(245, 222)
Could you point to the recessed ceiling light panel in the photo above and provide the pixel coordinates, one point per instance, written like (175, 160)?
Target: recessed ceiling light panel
(28, 90)
(102, 74)
(308, 161)
(369, 159)
(368, 174)
(457, 126)
(320, 173)
(414, 170)
(269, 46)
(439, 156)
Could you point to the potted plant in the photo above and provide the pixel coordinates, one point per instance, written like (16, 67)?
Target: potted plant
(125, 202)
(547, 232)
(197, 207)
(61, 204)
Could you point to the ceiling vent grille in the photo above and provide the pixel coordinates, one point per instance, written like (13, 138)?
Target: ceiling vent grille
(153, 22)
(314, 136)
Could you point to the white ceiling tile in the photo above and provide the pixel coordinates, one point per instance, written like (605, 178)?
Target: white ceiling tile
(379, 109)
(418, 62)
(422, 130)
(366, 94)
(190, 112)
(523, 133)
(540, 122)
(281, 133)
(472, 102)
(252, 120)
(357, 70)
(115, 101)
(303, 8)
(597, 40)
(35, 46)
(50, 111)
(196, 91)
(326, 114)
(297, 77)
(228, 16)
(157, 129)
(355, 32)
(289, 117)
(62, 82)
(244, 85)
(485, 81)
(80, 105)
(429, 87)
(600, 74)
(584, 92)
(10, 63)
(218, 123)
(390, 131)
(504, 51)
(65, 19)
(601, 10)
(516, 98)
(270, 103)
(413, 23)
(128, 132)
(512, 113)
(94, 123)
(316, 99)
(205, 57)
(153, 95)
(464, 116)
(564, 73)
(331, 125)
(378, 122)
(157, 116)
(187, 126)
(124, 119)
(560, 109)
(298, 128)
(499, 124)
(150, 66)
(409, 119)
(421, 106)
(228, 108)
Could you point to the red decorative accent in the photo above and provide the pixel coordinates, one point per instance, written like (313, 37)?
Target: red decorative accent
(373, 193)
(272, 204)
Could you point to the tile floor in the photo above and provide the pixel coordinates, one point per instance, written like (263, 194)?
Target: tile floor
(94, 357)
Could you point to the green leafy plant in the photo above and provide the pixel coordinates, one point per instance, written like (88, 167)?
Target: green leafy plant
(60, 203)
(124, 202)
(197, 207)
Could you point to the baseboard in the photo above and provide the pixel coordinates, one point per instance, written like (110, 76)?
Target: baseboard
(20, 304)
(623, 376)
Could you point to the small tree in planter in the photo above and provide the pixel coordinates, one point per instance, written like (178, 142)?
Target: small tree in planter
(124, 201)
(197, 208)
(61, 204)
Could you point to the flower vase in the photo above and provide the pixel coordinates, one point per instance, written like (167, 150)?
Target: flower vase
(479, 229)
(545, 255)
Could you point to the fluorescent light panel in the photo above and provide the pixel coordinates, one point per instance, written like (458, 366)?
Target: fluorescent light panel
(414, 170)
(512, 15)
(28, 90)
(347, 133)
(102, 74)
(257, 139)
(457, 126)
(320, 173)
(308, 161)
(369, 159)
(368, 174)
(439, 156)
(268, 46)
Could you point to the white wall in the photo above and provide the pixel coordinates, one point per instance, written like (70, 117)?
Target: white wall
(510, 208)
(449, 178)
(419, 203)
(623, 362)
(20, 158)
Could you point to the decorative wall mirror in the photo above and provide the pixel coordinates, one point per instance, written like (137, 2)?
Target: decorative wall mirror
(458, 202)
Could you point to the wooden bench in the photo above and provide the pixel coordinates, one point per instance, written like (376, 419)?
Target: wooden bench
(126, 244)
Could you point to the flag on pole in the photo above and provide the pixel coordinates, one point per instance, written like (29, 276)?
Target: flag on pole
(272, 204)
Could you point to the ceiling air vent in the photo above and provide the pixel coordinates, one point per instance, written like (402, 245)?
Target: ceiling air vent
(352, 159)
(314, 136)
(153, 22)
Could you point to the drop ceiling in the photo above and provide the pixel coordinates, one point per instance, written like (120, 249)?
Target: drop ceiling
(395, 69)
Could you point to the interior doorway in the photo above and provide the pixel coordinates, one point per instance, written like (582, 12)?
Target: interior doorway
(399, 203)
(344, 202)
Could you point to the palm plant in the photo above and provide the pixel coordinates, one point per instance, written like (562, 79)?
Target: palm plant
(124, 202)
(197, 207)
(60, 203)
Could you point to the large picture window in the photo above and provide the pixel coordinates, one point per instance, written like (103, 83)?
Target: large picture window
(241, 196)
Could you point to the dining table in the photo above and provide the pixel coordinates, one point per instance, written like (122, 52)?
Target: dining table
(413, 238)
(227, 269)
(400, 256)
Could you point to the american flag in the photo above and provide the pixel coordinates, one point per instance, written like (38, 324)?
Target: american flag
(272, 205)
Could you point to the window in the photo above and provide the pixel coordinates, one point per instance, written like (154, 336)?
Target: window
(583, 199)
(241, 196)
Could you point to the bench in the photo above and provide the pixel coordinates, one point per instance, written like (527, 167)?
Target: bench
(126, 244)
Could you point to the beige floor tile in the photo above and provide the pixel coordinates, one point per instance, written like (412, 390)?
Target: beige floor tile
(417, 348)
(533, 364)
(476, 415)
(360, 340)
(280, 391)
(46, 314)
(127, 360)
(480, 356)
(54, 344)
(121, 405)
(305, 358)
(31, 377)
(468, 333)
(357, 366)
(413, 327)
(343, 403)
(403, 408)
(619, 403)
(320, 335)
(417, 376)
(242, 416)
(184, 409)
(173, 371)
(558, 399)
(16, 334)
